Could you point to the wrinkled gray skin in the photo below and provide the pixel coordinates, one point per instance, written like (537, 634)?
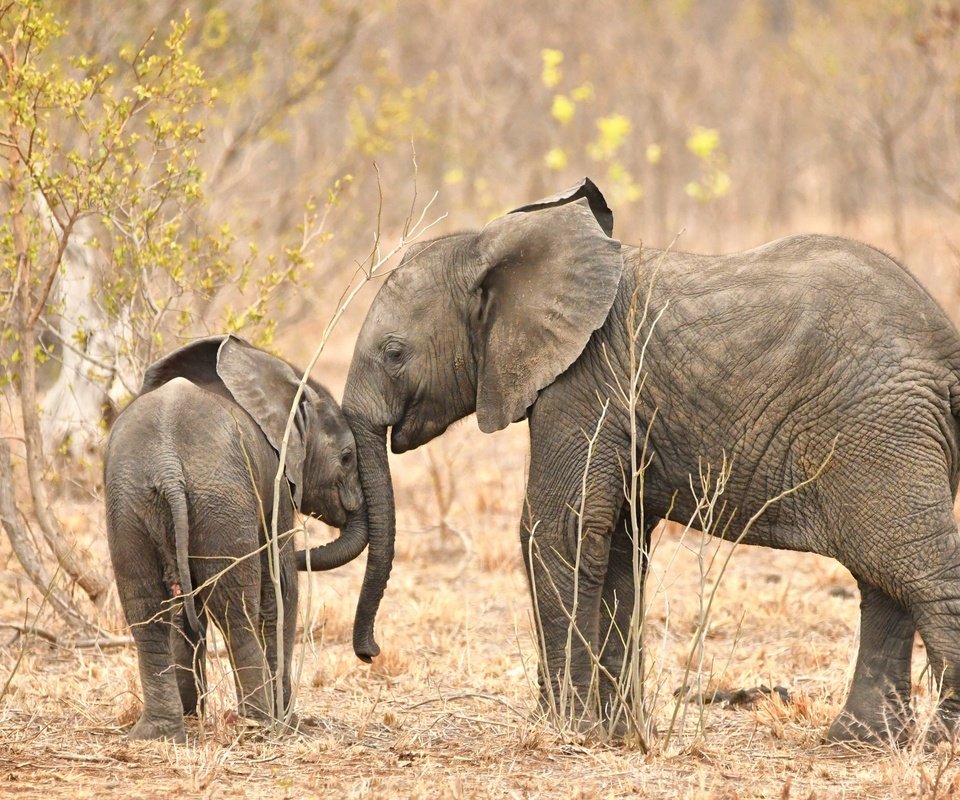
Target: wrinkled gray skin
(765, 359)
(188, 464)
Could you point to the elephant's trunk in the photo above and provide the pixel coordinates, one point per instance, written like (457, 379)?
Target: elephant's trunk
(342, 550)
(378, 497)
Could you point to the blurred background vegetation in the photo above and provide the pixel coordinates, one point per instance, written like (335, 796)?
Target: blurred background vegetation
(173, 169)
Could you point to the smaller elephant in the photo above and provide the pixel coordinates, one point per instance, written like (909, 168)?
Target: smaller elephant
(189, 482)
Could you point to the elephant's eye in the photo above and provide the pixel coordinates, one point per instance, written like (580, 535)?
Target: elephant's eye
(346, 458)
(392, 356)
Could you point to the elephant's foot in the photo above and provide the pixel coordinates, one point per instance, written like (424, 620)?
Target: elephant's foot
(877, 711)
(625, 724)
(147, 728)
(193, 704)
(257, 724)
(883, 726)
(619, 715)
(581, 723)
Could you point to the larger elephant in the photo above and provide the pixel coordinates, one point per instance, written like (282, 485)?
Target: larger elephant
(817, 368)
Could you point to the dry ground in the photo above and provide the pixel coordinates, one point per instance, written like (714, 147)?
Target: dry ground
(445, 711)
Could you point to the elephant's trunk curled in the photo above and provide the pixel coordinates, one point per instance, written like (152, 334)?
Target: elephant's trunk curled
(342, 550)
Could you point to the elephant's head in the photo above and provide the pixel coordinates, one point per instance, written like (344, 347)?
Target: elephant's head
(320, 463)
(477, 321)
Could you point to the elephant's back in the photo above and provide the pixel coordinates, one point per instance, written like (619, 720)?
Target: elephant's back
(183, 433)
(802, 297)
(177, 414)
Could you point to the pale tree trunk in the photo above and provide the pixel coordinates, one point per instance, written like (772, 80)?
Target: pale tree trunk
(29, 308)
(71, 410)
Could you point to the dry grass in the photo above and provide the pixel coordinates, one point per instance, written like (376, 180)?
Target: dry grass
(446, 711)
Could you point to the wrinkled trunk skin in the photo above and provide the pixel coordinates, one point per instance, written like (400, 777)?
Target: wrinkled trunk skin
(342, 550)
(378, 495)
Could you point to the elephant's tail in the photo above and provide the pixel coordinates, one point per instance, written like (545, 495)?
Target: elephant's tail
(177, 501)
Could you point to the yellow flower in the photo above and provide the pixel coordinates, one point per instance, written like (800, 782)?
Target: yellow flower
(694, 190)
(216, 28)
(703, 142)
(562, 109)
(555, 159)
(721, 184)
(453, 176)
(583, 92)
(654, 153)
(613, 131)
(552, 59)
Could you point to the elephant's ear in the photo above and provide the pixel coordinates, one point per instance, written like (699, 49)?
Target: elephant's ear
(585, 189)
(197, 362)
(546, 282)
(264, 386)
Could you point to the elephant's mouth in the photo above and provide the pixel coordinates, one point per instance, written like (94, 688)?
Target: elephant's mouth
(335, 516)
(399, 439)
(331, 509)
(409, 433)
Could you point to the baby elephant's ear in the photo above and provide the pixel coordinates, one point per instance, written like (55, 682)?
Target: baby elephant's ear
(265, 387)
(197, 362)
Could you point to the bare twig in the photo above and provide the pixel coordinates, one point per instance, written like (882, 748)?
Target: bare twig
(67, 641)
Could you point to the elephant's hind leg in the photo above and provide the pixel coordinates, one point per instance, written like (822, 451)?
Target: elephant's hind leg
(878, 706)
(143, 597)
(190, 651)
(933, 598)
(914, 562)
(227, 565)
(162, 715)
(236, 610)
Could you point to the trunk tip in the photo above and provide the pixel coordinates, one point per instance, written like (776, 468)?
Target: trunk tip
(366, 653)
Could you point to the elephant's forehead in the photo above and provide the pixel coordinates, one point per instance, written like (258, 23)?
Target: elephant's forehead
(420, 290)
(406, 302)
(427, 264)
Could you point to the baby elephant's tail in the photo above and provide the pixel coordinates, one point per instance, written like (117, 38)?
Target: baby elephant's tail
(177, 501)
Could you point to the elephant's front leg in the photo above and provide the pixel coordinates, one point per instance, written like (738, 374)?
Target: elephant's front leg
(621, 615)
(565, 539)
(566, 605)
